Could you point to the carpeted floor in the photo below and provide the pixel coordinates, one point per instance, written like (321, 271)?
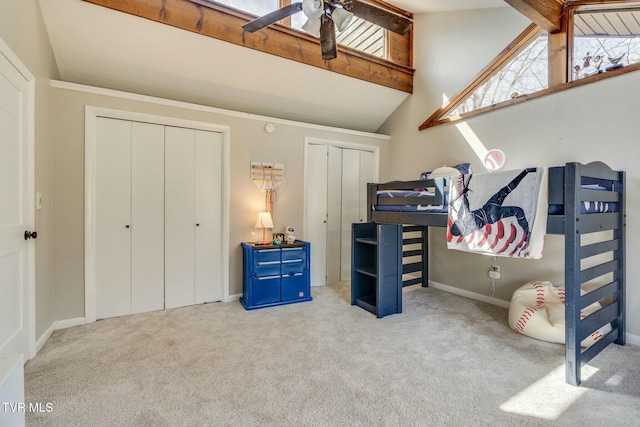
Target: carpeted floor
(445, 361)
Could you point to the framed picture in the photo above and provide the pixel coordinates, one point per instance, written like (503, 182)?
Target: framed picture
(278, 238)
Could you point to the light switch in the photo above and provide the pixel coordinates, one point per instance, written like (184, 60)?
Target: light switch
(38, 200)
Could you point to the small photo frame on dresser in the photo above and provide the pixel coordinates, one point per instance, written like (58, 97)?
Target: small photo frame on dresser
(278, 238)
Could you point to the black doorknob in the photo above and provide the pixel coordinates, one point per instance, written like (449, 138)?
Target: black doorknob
(30, 235)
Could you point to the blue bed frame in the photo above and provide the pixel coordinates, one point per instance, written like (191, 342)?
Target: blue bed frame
(565, 191)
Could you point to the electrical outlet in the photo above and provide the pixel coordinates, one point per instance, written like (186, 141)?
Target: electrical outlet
(494, 272)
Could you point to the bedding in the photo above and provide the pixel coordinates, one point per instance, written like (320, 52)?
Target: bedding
(499, 213)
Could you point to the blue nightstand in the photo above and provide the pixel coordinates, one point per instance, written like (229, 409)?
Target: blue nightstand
(275, 274)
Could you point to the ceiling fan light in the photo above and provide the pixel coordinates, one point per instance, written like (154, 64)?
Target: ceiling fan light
(312, 8)
(342, 18)
(312, 26)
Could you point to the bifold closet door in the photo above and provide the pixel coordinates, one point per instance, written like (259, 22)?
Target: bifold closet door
(208, 217)
(192, 216)
(129, 217)
(316, 211)
(357, 171)
(113, 218)
(147, 217)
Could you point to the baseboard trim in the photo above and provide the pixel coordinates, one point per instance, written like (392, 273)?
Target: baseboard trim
(69, 323)
(58, 324)
(632, 339)
(469, 294)
(629, 338)
(44, 337)
(232, 298)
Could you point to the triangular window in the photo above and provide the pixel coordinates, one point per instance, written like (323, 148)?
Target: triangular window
(521, 69)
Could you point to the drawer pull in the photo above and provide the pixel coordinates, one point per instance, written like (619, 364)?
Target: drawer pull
(268, 277)
(267, 250)
(289, 261)
(291, 249)
(268, 262)
(291, 275)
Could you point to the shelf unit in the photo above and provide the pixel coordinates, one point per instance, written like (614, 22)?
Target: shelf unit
(376, 268)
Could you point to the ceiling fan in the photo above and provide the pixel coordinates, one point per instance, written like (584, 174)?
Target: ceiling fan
(325, 16)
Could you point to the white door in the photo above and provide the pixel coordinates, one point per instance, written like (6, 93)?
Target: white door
(147, 217)
(337, 187)
(179, 274)
(113, 218)
(334, 213)
(316, 212)
(350, 207)
(193, 184)
(129, 217)
(208, 217)
(357, 171)
(16, 217)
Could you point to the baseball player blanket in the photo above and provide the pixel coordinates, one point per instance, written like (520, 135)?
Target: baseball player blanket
(499, 213)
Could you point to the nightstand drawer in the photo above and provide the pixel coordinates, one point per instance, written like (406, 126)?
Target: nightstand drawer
(266, 289)
(262, 256)
(293, 254)
(293, 266)
(267, 270)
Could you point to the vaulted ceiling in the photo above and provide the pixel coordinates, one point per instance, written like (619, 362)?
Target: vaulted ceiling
(101, 47)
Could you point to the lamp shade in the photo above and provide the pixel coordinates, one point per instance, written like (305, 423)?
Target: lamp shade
(264, 220)
(312, 8)
(312, 26)
(342, 18)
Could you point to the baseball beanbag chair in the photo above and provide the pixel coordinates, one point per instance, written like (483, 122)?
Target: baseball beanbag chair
(537, 310)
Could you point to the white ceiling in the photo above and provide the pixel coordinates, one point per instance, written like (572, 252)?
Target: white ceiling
(100, 47)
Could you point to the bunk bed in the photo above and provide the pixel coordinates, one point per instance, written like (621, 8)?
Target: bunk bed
(571, 190)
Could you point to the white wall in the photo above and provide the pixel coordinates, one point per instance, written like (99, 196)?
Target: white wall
(21, 27)
(593, 122)
(249, 142)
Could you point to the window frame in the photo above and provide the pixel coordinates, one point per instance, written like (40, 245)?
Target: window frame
(560, 52)
(225, 23)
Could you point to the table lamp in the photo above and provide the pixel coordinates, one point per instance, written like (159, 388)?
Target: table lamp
(264, 221)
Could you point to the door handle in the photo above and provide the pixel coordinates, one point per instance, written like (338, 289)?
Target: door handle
(30, 235)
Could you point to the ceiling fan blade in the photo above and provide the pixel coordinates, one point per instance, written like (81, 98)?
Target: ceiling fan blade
(328, 43)
(270, 18)
(384, 18)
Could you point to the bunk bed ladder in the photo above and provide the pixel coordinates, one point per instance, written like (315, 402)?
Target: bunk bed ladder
(577, 225)
(410, 267)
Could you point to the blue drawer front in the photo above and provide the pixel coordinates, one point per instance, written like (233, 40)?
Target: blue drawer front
(292, 266)
(290, 254)
(294, 286)
(267, 270)
(266, 255)
(266, 290)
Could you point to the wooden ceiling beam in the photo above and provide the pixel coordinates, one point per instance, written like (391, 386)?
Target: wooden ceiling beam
(546, 13)
(222, 23)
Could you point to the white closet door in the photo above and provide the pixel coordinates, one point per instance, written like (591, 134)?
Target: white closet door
(179, 217)
(208, 216)
(350, 207)
(113, 218)
(316, 212)
(366, 176)
(147, 223)
(334, 214)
